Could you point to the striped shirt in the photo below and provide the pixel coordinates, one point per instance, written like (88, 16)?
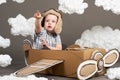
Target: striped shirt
(51, 39)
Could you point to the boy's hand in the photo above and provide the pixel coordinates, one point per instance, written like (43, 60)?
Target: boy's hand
(37, 15)
(44, 42)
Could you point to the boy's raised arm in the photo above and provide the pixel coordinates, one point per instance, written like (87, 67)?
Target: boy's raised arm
(37, 16)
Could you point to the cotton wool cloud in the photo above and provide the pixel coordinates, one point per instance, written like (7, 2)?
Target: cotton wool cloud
(113, 5)
(113, 73)
(5, 60)
(100, 37)
(22, 26)
(30, 77)
(4, 42)
(72, 6)
(2, 1)
(19, 1)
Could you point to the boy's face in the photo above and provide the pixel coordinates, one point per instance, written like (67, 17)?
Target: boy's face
(50, 22)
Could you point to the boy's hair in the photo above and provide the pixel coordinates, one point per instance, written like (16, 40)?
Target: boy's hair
(43, 22)
(58, 27)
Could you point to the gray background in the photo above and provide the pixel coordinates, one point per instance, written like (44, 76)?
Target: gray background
(73, 25)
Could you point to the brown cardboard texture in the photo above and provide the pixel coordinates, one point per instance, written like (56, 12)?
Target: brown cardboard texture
(71, 59)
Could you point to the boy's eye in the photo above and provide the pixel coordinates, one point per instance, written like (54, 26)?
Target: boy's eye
(53, 21)
(47, 20)
(50, 21)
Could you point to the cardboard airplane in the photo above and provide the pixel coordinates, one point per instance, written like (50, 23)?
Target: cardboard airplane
(72, 62)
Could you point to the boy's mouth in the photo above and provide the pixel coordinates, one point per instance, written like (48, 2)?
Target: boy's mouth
(49, 26)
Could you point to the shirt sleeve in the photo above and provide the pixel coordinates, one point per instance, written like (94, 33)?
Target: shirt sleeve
(39, 35)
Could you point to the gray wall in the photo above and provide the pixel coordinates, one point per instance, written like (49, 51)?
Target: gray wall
(73, 25)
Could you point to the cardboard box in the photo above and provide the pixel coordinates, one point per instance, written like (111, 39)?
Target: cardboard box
(71, 59)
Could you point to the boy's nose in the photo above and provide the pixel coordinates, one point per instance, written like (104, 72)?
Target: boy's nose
(49, 23)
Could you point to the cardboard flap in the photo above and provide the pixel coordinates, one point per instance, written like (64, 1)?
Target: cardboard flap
(37, 67)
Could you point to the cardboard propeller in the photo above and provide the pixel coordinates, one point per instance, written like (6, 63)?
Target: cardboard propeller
(88, 68)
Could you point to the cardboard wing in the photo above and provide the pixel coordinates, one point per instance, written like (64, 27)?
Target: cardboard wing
(37, 67)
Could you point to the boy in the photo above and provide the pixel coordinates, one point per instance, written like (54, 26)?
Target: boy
(48, 28)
